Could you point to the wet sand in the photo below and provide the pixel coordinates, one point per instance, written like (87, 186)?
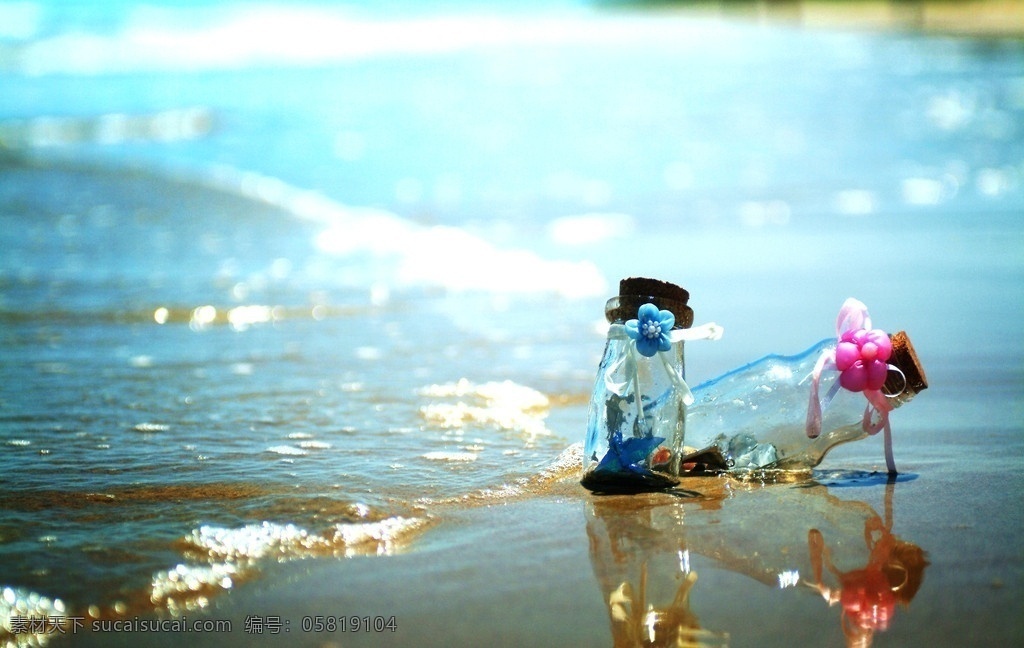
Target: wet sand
(975, 18)
(548, 567)
(539, 573)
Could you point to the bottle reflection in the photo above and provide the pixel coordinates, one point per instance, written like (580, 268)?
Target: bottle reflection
(782, 536)
(639, 555)
(868, 595)
(637, 623)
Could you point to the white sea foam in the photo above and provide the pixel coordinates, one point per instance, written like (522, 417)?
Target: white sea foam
(255, 541)
(288, 541)
(505, 405)
(230, 36)
(188, 587)
(505, 393)
(410, 254)
(151, 427)
(455, 259)
(287, 450)
(379, 538)
(450, 456)
(225, 556)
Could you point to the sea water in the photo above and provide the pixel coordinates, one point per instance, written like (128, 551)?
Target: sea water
(278, 281)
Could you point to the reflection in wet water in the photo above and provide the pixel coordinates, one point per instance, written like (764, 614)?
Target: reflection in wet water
(869, 595)
(635, 622)
(639, 555)
(640, 549)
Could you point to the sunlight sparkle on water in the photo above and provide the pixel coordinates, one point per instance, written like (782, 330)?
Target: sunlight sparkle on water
(202, 317)
(789, 578)
(505, 405)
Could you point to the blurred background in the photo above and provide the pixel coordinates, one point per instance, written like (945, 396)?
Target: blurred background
(543, 145)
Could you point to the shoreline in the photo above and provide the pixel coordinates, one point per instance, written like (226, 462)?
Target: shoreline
(969, 19)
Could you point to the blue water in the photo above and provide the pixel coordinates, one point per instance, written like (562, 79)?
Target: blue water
(248, 253)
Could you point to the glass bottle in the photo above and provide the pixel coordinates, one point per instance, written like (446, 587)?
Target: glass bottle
(637, 418)
(756, 416)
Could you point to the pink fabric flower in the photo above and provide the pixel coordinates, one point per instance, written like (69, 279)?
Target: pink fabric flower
(862, 357)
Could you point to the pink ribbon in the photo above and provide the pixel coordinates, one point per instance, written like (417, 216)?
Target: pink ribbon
(861, 356)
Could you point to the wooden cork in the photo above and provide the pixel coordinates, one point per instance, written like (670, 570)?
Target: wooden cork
(634, 292)
(903, 356)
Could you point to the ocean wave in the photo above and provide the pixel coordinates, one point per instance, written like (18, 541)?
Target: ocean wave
(288, 541)
(232, 555)
(504, 405)
(237, 35)
(559, 476)
(357, 247)
(409, 254)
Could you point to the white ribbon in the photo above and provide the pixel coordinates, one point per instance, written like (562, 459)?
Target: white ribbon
(709, 331)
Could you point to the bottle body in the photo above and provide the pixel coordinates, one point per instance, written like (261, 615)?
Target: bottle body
(756, 415)
(636, 411)
(637, 417)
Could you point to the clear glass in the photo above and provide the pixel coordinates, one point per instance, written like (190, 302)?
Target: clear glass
(756, 415)
(614, 408)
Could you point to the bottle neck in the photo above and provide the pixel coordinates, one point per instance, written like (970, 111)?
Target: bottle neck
(618, 310)
(910, 380)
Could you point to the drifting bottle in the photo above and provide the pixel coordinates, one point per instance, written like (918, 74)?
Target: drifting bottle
(637, 420)
(787, 412)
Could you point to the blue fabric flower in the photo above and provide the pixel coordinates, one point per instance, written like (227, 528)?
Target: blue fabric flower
(650, 329)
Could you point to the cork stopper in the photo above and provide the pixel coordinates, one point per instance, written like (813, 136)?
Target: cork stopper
(903, 356)
(634, 292)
